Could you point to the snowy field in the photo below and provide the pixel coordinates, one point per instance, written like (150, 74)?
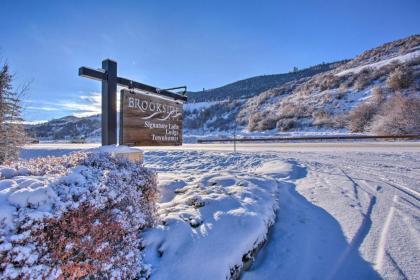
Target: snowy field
(304, 210)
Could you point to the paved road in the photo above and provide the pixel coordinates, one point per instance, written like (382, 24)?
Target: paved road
(378, 146)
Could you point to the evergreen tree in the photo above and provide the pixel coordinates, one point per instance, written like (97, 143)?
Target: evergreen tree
(12, 133)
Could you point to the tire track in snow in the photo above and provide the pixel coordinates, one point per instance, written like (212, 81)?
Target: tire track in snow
(407, 191)
(381, 251)
(397, 267)
(412, 193)
(398, 199)
(356, 185)
(409, 202)
(406, 220)
(357, 240)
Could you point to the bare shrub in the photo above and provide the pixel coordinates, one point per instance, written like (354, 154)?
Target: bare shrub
(329, 81)
(288, 110)
(398, 116)
(400, 78)
(363, 78)
(359, 118)
(348, 81)
(286, 124)
(321, 118)
(377, 92)
(253, 121)
(268, 123)
(327, 98)
(294, 110)
(260, 122)
(343, 87)
(339, 121)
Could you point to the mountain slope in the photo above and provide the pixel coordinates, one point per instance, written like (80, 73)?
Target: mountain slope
(326, 99)
(252, 86)
(69, 127)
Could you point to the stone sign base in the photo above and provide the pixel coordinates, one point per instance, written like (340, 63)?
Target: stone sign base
(133, 155)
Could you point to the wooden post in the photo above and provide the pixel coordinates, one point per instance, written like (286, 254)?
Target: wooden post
(109, 103)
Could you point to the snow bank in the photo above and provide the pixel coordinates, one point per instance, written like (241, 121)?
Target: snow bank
(212, 222)
(75, 216)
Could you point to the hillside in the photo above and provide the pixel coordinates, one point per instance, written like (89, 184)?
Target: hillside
(252, 86)
(69, 127)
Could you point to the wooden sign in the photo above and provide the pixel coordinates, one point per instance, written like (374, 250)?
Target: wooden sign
(108, 76)
(149, 120)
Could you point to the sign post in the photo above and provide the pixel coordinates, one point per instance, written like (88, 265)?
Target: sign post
(108, 76)
(109, 103)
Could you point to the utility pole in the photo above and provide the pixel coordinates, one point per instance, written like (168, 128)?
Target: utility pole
(234, 139)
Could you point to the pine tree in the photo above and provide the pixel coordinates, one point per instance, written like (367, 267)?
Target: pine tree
(12, 133)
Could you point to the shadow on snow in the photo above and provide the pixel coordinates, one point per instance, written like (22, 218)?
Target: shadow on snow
(306, 242)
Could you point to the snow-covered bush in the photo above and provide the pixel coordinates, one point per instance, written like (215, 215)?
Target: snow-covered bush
(76, 216)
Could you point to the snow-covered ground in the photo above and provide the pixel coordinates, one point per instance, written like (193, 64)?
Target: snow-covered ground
(348, 216)
(337, 210)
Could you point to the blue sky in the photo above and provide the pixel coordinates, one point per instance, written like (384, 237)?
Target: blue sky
(201, 44)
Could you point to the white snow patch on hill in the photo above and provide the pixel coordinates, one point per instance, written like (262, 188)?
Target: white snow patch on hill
(376, 65)
(199, 105)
